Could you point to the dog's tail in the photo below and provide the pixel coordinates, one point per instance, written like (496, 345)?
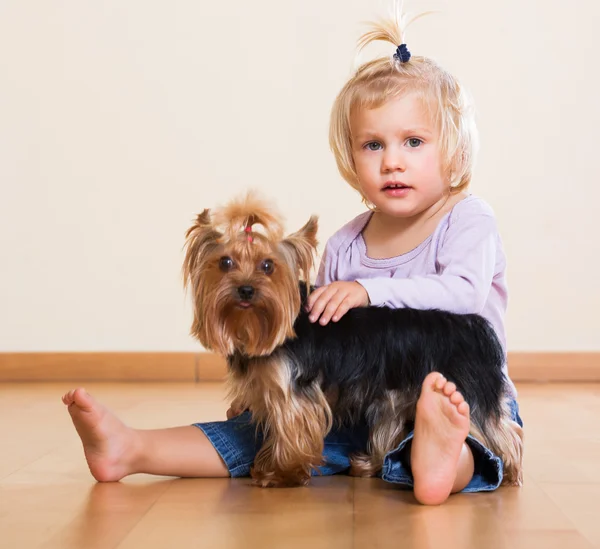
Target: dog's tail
(249, 213)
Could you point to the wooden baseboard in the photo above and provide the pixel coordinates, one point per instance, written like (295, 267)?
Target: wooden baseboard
(554, 367)
(196, 367)
(126, 366)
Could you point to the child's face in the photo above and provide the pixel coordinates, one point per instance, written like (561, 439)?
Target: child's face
(397, 157)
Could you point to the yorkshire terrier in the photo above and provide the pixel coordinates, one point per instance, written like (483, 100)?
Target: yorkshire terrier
(249, 287)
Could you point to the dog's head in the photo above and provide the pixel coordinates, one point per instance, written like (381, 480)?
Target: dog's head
(244, 275)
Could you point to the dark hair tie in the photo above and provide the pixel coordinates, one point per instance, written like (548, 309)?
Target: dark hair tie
(402, 53)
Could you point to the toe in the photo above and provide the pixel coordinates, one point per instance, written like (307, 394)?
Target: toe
(434, 381)
(463, 408)
(449, 388)
(456, 398)
(82, 398)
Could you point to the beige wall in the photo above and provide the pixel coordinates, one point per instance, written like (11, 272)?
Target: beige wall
(119, 120)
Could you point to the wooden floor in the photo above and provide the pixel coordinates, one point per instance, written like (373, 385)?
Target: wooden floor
(49, 500)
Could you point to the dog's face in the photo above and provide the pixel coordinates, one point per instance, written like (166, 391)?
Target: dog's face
(244, 282)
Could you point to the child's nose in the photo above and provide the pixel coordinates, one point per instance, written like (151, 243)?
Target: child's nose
(393, 161)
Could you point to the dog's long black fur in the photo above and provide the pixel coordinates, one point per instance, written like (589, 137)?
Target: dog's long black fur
(373, 350)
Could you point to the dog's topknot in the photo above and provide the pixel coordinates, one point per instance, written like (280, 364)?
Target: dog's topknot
(249, 211)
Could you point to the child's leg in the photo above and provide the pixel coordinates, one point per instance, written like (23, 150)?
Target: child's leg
(114, 450)
(441, 462)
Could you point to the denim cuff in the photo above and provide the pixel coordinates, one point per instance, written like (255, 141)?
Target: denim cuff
(487, 475)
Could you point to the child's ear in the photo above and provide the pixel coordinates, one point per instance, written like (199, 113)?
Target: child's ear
(201, 239)
(302, 247)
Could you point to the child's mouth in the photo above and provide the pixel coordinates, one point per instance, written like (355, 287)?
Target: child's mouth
(396, 189)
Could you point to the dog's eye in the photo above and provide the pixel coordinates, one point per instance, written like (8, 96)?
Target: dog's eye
(267, 266)
(226, 264)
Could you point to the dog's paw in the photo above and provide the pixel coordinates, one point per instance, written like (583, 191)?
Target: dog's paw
(273, 479)
(363, 465)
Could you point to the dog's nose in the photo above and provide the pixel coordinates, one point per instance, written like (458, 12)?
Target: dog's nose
(246, 292)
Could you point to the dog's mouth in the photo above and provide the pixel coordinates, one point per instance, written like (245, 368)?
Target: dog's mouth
(243, 304)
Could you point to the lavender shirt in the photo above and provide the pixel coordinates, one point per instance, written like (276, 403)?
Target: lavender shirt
(459, 268)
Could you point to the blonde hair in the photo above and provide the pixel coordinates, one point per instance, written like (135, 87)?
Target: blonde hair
(376, 82)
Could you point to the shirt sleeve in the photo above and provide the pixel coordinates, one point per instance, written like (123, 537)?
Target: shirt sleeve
(327, 267)
(466, 264)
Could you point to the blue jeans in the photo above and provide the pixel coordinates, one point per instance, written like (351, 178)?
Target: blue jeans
(237, 441)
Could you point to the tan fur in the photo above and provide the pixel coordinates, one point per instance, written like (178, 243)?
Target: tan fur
(300, 247)
(251, 210)
(389, 430)
(294, 424)
(505, 439)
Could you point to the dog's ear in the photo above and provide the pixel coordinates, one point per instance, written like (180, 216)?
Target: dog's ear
(302, 247)
(200, 239)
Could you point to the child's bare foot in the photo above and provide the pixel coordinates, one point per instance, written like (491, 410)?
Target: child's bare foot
(110, 446)
(441, 427)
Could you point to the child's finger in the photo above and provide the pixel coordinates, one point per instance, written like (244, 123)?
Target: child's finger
(343, 308)
(331, 308)
(321, 303)
(312, 298)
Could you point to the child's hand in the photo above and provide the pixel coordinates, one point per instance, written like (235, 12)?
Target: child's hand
(333, 301)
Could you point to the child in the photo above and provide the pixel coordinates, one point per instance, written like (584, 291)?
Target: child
(403, 136)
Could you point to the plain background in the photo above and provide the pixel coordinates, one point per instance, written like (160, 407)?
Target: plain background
(121, 119)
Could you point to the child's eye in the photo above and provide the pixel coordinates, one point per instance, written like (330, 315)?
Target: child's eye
(373, 146)
(414, 142)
